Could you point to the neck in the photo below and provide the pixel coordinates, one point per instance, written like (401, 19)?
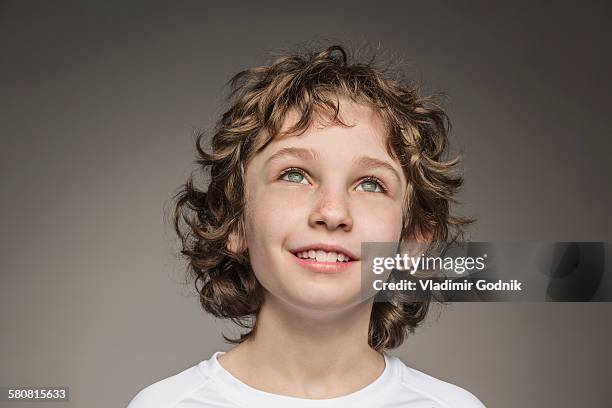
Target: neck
(308, 353)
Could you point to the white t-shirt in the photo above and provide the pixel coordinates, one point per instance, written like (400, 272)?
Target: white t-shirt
(208, 384)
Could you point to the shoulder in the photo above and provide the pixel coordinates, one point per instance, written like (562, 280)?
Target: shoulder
(167, 393)
(434, 389)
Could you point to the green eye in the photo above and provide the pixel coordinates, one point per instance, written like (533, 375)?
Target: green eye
(370, 186)
(294, 176)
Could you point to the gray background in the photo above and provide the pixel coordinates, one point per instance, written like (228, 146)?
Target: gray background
(99, 105)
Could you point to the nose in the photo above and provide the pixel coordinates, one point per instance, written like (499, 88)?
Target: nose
(332, 211)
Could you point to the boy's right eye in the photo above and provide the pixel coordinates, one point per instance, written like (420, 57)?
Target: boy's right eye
(294, 176)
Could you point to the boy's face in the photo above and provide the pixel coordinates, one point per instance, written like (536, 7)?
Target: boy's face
(329, 202)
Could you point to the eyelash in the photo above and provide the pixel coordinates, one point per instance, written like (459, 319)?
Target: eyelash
(366, 178)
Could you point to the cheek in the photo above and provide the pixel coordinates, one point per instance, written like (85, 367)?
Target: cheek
(279, 204)
(272, 215)
(382, 223)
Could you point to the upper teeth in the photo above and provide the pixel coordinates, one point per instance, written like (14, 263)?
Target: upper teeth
(322, 256)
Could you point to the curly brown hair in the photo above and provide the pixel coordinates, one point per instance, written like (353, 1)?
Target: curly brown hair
(210, 223)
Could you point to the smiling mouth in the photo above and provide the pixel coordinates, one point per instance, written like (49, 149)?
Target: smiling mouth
(321, 265)
(322, 256)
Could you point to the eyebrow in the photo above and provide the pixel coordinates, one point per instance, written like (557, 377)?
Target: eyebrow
(301, 153)
(310, 154)
(370, 163)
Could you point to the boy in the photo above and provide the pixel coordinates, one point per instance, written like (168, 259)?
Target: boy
(314, 156)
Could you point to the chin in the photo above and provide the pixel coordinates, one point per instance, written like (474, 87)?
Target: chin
(324, 297)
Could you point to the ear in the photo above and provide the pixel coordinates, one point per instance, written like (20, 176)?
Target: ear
(235, 243)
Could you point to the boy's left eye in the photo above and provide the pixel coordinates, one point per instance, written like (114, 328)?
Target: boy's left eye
(370, 186)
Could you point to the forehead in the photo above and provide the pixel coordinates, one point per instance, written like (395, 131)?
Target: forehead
(366, 128)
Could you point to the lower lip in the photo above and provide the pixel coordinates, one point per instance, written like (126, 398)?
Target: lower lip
(323, 267)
